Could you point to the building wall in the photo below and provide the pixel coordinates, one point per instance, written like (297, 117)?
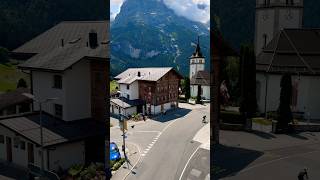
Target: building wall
(78, 92)
(126, 112)
(205, 91)
(270, 20)
(43, 89)
(307, 98)
(75, 95)
(66, 155)
(196, 65)
(19, 156)
(133, 90)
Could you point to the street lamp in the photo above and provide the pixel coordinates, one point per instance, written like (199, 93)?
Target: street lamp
(40, 116)
(122, 119)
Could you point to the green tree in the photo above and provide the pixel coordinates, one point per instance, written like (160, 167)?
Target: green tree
(284, 110)
(22, 83)
(4, 55)
(187, 87)
(198, 101)
(248, 104)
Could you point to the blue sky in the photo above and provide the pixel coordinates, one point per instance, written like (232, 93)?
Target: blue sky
(195, 10)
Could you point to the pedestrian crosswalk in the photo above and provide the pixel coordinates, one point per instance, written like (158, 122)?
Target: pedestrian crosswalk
(149, 147)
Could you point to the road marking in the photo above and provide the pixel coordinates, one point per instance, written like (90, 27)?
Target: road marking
(275, 160)
(188, 162)
(135, 163)
(142, 154)
(195, 172)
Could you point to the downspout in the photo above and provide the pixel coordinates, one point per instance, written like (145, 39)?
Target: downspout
(48, 160)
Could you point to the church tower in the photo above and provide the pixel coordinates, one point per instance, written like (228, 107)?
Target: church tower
(197, 61)
(273, 16)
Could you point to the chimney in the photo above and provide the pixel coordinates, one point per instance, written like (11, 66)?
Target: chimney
(139, 74)
(62, 42)
(93, 39)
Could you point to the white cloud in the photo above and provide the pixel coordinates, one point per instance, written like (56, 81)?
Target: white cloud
(115, 6)
(195, 10)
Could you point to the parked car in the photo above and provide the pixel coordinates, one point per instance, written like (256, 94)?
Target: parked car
(114, 152)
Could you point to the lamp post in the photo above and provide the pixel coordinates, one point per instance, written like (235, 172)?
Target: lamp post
(40, 123)
(123, 132)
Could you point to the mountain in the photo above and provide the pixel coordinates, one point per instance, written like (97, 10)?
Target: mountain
(237, 18)
(148, 33)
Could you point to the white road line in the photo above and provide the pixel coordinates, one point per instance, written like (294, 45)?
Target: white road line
(188, 162)
(275, 160)
(135, 163)
(145, 152)
(142, 154)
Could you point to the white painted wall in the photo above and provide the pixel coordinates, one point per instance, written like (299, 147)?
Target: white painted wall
(66, 155)
(196, 66)
(75, 95)
(308, 94)
(205, 91)
(43, 89)
(126, 112)
(133, 90)
(78, 91)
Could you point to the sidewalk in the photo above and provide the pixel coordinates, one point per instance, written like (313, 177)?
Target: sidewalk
(133, 154)
(203, 136)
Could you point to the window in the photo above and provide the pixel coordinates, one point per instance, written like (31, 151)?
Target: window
(1, 139)
(289, 2)
(128, 86)
(200, 61)
(57, 81)
(264, 40)
(22, 145)
(58, 110)
(128, 96)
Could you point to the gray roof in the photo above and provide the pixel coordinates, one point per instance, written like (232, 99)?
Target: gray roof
(51, 55)
(201, 78)
(67, 30)
(147, 74)
(126, 103)
(14, 97)
(54, 131)
(293, 51)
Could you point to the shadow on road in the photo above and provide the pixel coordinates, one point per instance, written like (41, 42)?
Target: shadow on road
(298, 136)
(172, 115)
(264, 135)
(230, 160)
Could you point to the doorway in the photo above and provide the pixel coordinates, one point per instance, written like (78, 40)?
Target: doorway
(30, 153)
(9, 149)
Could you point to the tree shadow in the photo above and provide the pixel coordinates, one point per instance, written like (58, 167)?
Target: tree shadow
(230, 160)
(263, 135)
(172, 115)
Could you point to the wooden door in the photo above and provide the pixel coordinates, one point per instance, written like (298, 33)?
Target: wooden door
(9, 149)
(30, 153)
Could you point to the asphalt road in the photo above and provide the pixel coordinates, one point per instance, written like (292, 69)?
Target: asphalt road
(270, 159)
(166, 144)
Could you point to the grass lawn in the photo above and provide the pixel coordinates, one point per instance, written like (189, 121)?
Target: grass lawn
(113, 85)
(262, 121)
(9, 76)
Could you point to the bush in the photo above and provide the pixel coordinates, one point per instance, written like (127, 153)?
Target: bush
(231, 117)
(115, 165)
(75, 170)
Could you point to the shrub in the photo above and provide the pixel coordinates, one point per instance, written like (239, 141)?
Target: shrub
(116, 165)
(75, 170)
(231, 117)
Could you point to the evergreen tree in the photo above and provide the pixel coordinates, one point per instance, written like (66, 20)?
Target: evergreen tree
(248, 104)
(22, 83)
(284, 110)
(4, 55)
(187, 87)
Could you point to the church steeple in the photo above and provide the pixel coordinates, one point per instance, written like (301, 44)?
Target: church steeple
(197, 52)
(197, 61)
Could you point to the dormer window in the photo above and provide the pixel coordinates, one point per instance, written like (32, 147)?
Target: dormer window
(57, 81)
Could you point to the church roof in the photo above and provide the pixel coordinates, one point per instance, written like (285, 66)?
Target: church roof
(292, 51)
(201, 78)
